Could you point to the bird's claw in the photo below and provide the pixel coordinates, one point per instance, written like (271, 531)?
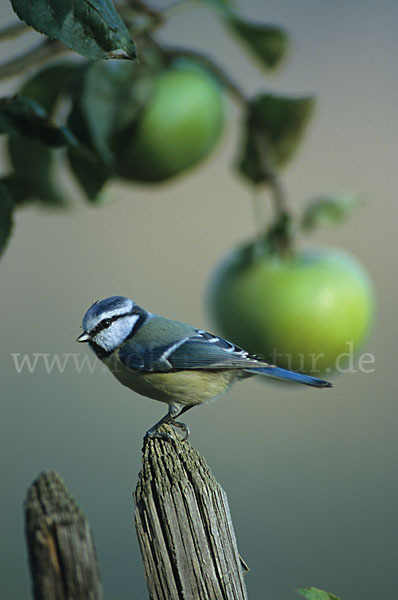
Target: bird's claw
(160, 435)
(183, 426)
(154, 432)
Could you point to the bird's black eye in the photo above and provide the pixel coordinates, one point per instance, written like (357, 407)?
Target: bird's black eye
(104, 324)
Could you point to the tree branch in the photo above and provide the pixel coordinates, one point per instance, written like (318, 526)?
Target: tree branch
(36, 55)
(12, 30)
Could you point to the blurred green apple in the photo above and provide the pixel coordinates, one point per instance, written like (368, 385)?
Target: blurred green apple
(179, 126)
(306, 313)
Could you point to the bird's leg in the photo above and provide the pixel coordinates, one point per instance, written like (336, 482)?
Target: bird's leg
(174, 411)
(154, 432)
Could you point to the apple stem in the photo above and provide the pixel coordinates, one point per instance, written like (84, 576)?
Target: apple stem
(278, 236)
(280, 233)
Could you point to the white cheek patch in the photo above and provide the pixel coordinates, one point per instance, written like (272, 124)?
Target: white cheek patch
(129, 323)
(114, 335)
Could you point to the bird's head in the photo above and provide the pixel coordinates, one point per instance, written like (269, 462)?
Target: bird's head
(109, 322)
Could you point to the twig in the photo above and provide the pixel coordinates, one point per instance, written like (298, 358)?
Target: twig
(268, 171)
(13, 30)
(36, 55)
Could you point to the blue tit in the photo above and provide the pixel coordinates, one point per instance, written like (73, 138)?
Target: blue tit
(170, 361)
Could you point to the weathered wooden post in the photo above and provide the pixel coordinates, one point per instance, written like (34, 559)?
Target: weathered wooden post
(183, 524)
(61, 550)
(184, 527)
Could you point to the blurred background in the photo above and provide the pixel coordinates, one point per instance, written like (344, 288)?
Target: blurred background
(311, 478)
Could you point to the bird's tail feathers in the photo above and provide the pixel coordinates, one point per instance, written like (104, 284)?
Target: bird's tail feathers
(279, 373)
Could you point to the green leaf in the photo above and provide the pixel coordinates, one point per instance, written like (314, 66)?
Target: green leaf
(312, 593)
(20, 115)
(18, 188)
(32, 177)
(91, 175)
(267, 43)
(88, 168)
(31, 159)
(6, 216)
(24, 189)
(274, 127)
(91, 28)
(47, 85)
(329, 210)
(107, 101)
(108, 97)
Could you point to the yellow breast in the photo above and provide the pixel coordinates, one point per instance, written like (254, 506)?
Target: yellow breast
(184, 387)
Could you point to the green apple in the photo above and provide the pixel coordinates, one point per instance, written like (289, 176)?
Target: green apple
(179, 126)
(307, 313)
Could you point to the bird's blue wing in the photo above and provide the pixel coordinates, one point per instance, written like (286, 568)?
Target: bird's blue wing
(200, 351)
(206, 351)
(150, 359)
(132, 355)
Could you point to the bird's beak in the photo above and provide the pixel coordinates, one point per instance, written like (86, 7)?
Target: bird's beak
(84, 337)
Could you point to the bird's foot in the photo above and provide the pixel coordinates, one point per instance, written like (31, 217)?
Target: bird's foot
(183, 426)
(154, 433)
(157, 432)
